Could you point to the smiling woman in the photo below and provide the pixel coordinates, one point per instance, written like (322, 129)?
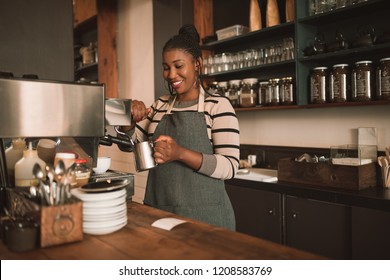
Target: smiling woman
(195, 135)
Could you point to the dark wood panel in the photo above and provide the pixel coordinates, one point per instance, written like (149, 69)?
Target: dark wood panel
(370, 234)
(258, 213)
(322, 228)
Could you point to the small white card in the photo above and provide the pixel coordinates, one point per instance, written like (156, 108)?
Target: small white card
(167, 223)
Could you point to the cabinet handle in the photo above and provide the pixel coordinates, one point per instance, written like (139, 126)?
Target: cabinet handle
(271, 211)
(294, 215)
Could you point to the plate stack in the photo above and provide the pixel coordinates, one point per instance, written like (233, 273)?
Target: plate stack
(103, 212)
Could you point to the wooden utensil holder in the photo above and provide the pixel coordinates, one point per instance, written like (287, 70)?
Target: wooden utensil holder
(61, 223)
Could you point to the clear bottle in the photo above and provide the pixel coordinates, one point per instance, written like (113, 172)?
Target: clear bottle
(319, 85)
(82, 172)
(234, 92)
(23, 168)
(13, 154)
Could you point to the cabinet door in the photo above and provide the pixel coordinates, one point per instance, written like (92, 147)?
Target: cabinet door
(370, 234)
(318, 227)
(257, 212)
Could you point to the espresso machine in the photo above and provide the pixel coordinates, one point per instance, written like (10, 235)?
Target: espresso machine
(72, 113)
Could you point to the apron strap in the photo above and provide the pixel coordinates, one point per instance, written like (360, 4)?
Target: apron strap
(200, 103)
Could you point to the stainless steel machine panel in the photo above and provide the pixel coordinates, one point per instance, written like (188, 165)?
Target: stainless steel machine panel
(51, 109)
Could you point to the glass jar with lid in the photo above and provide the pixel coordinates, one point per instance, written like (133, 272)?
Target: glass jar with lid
(263, 98)
(339, 83)
(319, 85)
(274, 91)
(234, 92)
(287, 91)
(249, 92)
(223, 88)
(362, 81)
(383, 79)
(82, 172)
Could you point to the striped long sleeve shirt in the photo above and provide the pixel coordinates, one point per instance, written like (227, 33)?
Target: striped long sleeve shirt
(222, 131)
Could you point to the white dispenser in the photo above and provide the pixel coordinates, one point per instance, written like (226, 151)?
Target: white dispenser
(13, 154)
(23, 168)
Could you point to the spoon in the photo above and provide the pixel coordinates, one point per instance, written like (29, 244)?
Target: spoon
(59, 170)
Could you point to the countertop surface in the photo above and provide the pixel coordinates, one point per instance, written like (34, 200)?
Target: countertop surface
(266, 179)
(140, 240)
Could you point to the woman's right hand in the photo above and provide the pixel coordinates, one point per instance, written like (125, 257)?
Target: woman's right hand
(139, 111)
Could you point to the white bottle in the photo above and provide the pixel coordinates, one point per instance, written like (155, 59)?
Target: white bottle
(24, 168)
(13, 154)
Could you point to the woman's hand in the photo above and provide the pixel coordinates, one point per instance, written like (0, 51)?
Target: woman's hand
(166, 150)
(139, 112)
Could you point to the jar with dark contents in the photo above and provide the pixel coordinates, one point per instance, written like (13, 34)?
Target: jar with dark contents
(319, 85)
(82, 172)
(263, 89)
(383, 79)
(249, 92)
(287, 91)
(234, 92)
(223, 88)
(274, 88)
(339, 83)
(362, 81)
(213, 87)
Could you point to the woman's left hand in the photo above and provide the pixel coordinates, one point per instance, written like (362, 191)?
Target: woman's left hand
(166, 149)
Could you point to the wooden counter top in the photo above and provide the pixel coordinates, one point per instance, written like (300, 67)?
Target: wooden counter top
(139, 240)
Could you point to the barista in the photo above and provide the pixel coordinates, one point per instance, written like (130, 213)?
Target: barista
(196, 138)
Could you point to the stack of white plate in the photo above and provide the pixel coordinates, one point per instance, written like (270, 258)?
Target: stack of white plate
(103, 212)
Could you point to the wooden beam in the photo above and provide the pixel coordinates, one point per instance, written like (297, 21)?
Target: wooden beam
(107, 43)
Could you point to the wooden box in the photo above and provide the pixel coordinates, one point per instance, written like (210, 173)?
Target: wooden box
(61, 223)
(327, 174)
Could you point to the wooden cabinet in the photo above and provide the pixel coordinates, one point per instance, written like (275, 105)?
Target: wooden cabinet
(258, 213)
(370, 233)
(351, 21)
(319, 227)
(96, 23)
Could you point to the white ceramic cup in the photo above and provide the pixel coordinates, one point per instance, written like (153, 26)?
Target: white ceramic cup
(102, 165)
(67, 158)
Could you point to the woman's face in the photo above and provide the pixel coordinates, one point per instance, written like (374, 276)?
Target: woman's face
(180, 71)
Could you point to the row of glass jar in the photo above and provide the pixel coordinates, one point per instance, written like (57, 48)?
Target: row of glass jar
(323, 6)
(248, 58)
(362, 82)
(251, 92)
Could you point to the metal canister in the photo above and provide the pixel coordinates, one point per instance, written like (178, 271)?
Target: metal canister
(383, 79)
(362, 81)
(319, 85)
(287, 91)
(339, 83)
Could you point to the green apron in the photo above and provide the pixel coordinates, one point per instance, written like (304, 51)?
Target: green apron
(175, 187)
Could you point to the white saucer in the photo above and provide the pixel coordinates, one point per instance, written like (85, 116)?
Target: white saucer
(104, 210)
(104, 224)
(105, 203)
(98, 196)
(102, 231)
(104, 217)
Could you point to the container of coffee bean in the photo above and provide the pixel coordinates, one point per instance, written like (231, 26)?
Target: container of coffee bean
(339, 83)
(362, 81)
(383, 79)
(319, 85)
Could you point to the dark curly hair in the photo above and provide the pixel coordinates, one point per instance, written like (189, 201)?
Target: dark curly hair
(187, 40)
